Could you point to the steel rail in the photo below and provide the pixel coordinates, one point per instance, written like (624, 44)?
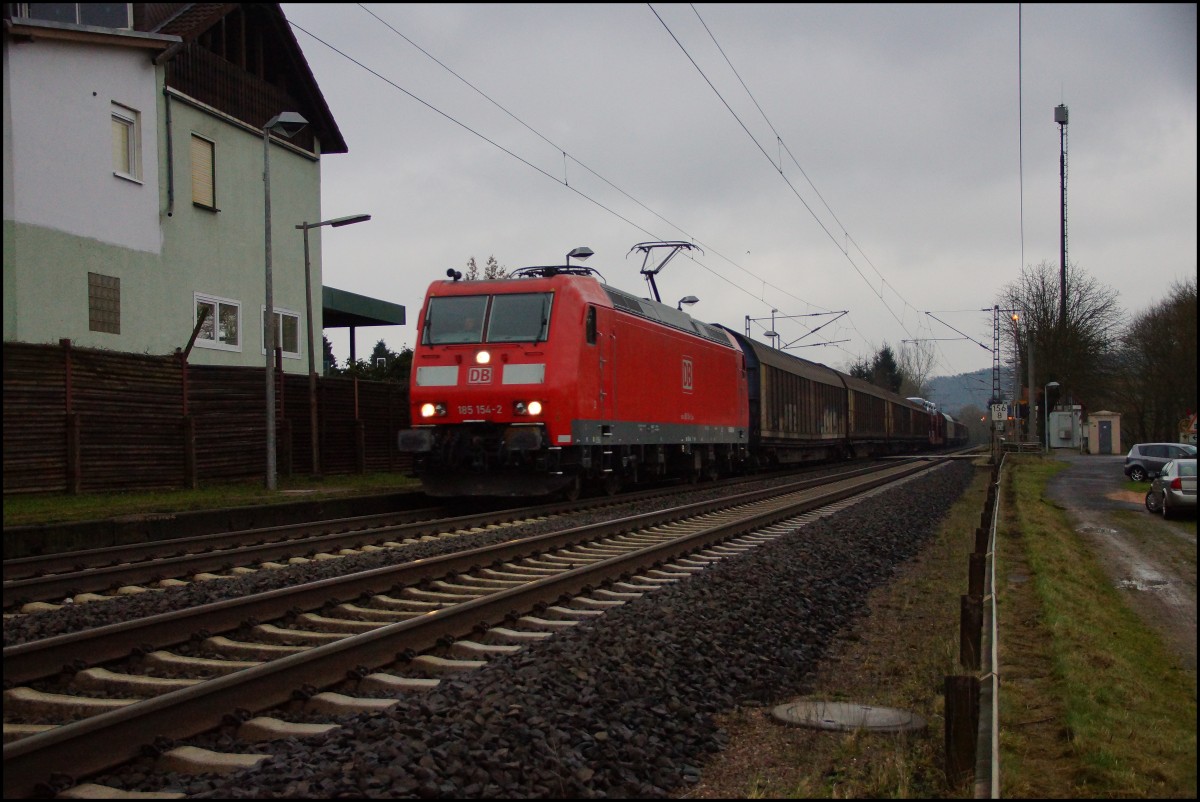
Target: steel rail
(153, 567)
(59, 562)
(42, 658)
(108, 739)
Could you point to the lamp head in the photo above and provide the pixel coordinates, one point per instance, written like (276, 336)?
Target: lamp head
(345, 221)
(286, 124)
(582, 252)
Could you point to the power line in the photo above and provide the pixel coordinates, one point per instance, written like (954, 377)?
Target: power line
(565, 156)
(778, 169)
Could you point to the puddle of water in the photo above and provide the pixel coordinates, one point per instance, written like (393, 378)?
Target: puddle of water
(1138, 584)
(1097, 530)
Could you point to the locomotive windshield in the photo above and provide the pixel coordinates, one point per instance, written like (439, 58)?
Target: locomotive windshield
(519, 318)
(457, 319)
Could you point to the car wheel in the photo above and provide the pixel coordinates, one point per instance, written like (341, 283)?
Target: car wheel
(1153, 502)
(1166, 511)
(1137, 473)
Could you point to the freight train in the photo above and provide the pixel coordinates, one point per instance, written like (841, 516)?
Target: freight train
(550, 380)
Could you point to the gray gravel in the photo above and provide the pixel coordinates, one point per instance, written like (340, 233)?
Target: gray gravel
(620, 707)
(89, 615)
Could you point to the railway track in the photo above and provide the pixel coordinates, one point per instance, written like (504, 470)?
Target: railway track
(37, 584)
(408, 623)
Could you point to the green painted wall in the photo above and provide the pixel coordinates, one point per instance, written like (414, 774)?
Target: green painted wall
(222, 253)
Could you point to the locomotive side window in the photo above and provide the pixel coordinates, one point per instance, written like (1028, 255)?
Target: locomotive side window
(455, 319)
(591, 325)
(521, 317)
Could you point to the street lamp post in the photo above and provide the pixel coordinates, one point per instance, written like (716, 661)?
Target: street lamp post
(1046, 401)
(687, 299)
(286, 124)
(312, 368)
(1016, 401)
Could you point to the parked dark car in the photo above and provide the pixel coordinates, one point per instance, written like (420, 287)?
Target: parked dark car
(1174, 490)
(1146, 459)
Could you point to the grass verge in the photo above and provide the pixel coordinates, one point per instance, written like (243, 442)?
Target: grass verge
(1093, 704)
(21, 510)
(896, 655)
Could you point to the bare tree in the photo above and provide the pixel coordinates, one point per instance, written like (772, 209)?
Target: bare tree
(1079, 353)
(979, 429)
(916, 360)
(491, 270)
(1155, 383)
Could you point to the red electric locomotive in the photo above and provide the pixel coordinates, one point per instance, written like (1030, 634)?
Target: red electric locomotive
(550, 379)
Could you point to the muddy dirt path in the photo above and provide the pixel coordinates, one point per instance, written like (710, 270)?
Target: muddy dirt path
(1151, 559)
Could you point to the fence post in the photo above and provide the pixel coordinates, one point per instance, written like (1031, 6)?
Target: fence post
(190, 479)
(73, 445)
(962, 728)
(975, 575)
(360, 447)
(970, 632)
(285, 447)
(74, 457)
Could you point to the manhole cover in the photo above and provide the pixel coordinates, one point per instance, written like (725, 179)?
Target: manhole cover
(847, 716)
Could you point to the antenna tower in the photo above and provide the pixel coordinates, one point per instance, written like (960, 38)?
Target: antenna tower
(1060, 117)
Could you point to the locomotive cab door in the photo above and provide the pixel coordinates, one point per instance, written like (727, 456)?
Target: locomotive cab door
(599, 335)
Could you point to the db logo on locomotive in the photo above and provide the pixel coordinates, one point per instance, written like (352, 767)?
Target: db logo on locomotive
(479, 376)
(688, 375)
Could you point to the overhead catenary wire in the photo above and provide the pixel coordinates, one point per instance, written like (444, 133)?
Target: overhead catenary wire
(579, 190)
(792, 187)
(783, 145)
(566, 156)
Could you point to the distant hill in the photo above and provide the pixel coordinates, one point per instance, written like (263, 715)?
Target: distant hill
(952, 393)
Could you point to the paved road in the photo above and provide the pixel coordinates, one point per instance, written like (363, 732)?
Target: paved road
(1154, 560)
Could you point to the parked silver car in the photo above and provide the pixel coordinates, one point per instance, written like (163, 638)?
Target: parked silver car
(1146, 459)
(1174, 490)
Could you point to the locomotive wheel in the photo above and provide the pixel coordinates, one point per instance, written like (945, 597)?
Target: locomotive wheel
(572, 491)
(611, 484)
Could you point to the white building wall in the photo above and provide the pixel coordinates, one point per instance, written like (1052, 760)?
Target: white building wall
(59, 105)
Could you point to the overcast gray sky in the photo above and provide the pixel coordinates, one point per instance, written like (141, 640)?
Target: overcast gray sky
(878, 159)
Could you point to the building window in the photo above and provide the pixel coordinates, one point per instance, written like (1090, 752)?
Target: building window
(101, 15)
(287, 332)
(222, 323)
(104, 303)
(204, 182)
(126, 143)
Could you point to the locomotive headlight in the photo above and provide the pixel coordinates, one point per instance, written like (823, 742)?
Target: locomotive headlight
(483, 357)
(432, 410)
(530, 408)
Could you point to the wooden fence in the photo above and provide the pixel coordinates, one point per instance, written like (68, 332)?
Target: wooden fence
(83, 420)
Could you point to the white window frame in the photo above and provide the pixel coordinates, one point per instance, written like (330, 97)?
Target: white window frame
(217, 302)
(129, 121)
(280, 314)
(23, 11)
